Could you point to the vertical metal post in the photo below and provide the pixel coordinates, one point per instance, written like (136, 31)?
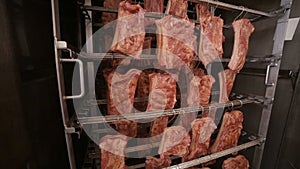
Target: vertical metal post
(272, 75)
(90, 65)
(60, 81)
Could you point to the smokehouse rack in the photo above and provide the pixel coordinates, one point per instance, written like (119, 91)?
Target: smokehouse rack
(85, 88)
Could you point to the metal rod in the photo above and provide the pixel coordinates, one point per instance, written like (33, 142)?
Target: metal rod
(217, 155)
(100, 56)
(142, 165)
(234, 7)
(155, 114)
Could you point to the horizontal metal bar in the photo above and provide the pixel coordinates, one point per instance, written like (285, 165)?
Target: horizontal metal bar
(103, 9)
(142, 165)
(149, 115)
(217, 155)
(100, 56)
(234, 7)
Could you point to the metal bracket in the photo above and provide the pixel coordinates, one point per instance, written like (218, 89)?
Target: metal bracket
(81, 77)
(267, 83)
(73, 130)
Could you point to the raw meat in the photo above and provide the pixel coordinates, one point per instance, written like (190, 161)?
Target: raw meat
(203, 12)
(145, 63)
(223, 87)
(121, 91)
(238, 162)
(177, 8)
(154, 6)
(198, 72)
(242, 31)
(176, 47)
(157, 163)
(201, 133)
(142, 90)
(230, 131)
(211, 39)
(114, 158)
(230, 78)
(199, 95)
(106, 16)
(162, 97)
(130, 30)
(175, 141)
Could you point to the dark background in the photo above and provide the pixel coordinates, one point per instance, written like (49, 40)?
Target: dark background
(32, 135)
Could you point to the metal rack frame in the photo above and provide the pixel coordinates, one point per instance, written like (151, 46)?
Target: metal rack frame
(270, 79)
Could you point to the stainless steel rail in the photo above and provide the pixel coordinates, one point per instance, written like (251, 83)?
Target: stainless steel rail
(149, 115)
(217, 155)
(233, 7)
(100, 56)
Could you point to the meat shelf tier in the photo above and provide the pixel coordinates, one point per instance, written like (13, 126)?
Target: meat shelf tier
(246, 141)
(217, 4)
(97, 57)
(154, 114)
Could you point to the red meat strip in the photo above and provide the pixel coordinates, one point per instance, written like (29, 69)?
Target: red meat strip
(230, 78)
(199, 95)
(176, 46)
(162, 97)
(154, 6)
(114, 158)
(130, 30)
(203, 12)
(157, 163)
(175, 141)
(177, 8)
(106, 16)
(238, 162)
(201, 133)
(242, 31)
(211, 39)
(121, 91)
(230, 131)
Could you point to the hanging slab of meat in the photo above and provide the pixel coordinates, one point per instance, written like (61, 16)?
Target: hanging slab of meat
(114, 158)
(199, 95)
(199, 72)
(157, 163)
(130, 30)
(230, 78)
(203, 12)
(175, 141)
(176, 47)
(242, 31)
(145, 63)
(211, 39)
(155, 6)
(230, 131)
(177, 8)
(142, 91)
(238, 162)
(121, 91)
(106, 16)
(162, 97)
(201, 133)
